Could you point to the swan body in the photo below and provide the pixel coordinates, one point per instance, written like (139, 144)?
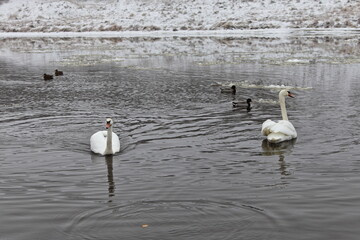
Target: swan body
(282, 130)
(105, 142)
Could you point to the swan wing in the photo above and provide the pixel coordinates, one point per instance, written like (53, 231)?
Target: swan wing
(98, 142)
(266, 127)
(285, 127)
(115, 143)
(278, 137)
(278, 131)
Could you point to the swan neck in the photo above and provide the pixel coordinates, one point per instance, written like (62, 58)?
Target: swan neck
(109, 141)
(283, 107)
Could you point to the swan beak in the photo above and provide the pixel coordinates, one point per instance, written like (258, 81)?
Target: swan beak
(291, 95)
(107, 125)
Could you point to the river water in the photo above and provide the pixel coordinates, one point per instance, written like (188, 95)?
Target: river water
(190, 166)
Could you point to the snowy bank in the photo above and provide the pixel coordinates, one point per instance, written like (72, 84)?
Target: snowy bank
(181, 15)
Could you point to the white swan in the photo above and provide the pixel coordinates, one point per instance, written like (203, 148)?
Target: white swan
(105, 142)
(282, 130)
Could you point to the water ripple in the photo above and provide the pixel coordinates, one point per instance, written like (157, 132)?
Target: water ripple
(166, 219)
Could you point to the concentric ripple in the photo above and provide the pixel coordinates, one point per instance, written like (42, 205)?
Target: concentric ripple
(187, 219)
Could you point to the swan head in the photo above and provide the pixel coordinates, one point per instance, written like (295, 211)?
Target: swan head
(286, 93)
(248, 101)
(109, 123)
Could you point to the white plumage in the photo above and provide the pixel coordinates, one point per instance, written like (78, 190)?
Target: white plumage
(282, 130)
(102, 144)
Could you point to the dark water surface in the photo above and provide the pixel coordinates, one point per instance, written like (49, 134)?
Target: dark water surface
(190, 166)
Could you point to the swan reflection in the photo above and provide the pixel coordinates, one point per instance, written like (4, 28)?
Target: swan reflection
(280, 149)
(110, 175)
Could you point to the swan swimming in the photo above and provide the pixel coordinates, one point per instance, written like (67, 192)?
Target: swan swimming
(282, 130)
(105, 142)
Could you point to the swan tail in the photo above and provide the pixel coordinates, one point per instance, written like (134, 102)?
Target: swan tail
(278, 137)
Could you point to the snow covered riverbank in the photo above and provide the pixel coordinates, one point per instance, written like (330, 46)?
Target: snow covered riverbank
(182, 15)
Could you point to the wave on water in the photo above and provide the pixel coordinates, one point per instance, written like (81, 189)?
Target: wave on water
(252, 85)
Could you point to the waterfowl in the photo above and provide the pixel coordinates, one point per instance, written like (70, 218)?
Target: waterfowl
(231, 89)
(58, 73)
(105, 142)
(48, 76)
(241, 104)
(282, 130)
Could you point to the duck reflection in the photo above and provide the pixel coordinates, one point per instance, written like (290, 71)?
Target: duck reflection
(110, 175)
(280, 149)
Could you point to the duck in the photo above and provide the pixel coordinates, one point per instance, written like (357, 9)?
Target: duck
(242, 104)
(282, 130)
(105, 142)
(48, 76)
(58, 73)
(231, 89)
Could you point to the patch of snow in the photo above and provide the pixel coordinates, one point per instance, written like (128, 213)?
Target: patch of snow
(181, 15)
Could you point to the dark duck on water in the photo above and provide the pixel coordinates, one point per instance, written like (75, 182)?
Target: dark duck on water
(58, 73)
(48, 76)
(231, 89)
(241, 104)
